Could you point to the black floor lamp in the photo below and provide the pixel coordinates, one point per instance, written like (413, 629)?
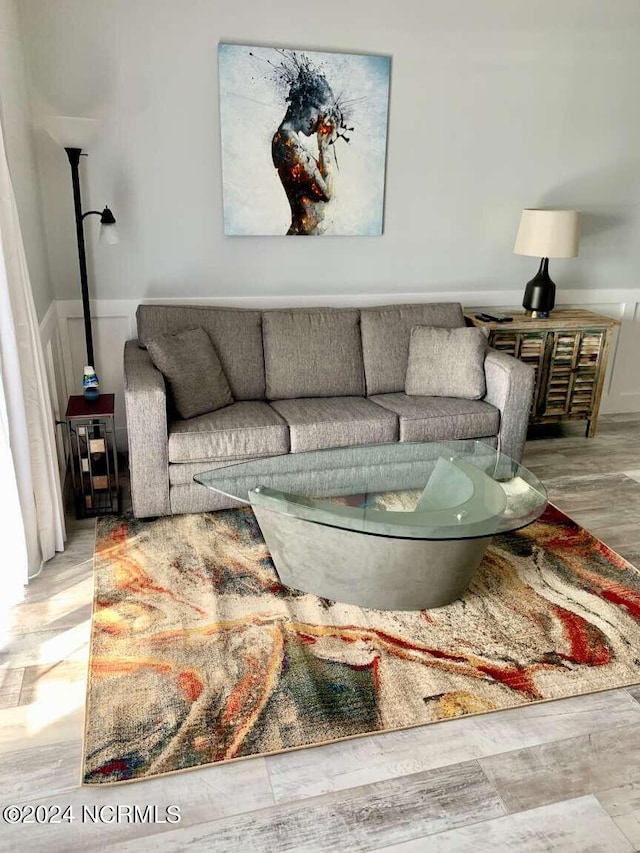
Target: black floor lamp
(73, 134)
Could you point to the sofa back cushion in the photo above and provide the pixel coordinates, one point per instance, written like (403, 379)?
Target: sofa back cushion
(313, 352)
(386, 333)
(236, 334)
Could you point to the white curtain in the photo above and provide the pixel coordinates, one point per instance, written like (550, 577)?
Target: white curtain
(31, 513)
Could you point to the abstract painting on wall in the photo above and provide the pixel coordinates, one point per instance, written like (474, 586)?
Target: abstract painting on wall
(304, 140)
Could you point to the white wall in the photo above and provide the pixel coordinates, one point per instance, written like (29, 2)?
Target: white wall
(495, 106)
(18, 135)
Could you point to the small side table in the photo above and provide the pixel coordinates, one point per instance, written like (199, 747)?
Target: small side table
(92, 454)
(568, 352)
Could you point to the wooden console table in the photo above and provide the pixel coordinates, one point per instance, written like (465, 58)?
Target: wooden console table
(568, 351)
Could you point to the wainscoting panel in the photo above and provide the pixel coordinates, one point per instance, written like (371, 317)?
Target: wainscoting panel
(624, 390)
(114, 322)
(54, 365)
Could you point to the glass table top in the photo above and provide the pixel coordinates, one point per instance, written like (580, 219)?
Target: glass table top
(408, 490)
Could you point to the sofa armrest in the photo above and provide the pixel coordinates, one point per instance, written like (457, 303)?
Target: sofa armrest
(145, 400)
(510, 389)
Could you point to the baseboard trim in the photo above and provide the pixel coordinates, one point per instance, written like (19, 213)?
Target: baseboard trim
(468, 298)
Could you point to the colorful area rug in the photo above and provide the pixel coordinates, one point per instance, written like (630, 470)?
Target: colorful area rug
(199, 655)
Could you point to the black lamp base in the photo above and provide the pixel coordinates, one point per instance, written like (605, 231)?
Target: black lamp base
(540, 293)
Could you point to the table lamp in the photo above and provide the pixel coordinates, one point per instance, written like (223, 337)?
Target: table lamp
(546, 234)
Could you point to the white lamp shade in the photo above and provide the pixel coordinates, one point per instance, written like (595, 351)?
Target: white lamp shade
(71, 132)
(108, 235)
(548, 234)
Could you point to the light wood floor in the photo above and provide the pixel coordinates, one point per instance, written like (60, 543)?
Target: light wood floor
(561, 776)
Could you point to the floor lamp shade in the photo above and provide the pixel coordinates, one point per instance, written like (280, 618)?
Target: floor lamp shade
(546, 234)
(71, 132)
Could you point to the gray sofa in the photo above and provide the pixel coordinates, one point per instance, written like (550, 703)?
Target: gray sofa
(302, 379)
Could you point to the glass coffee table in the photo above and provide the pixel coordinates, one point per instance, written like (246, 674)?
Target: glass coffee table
(399, 526)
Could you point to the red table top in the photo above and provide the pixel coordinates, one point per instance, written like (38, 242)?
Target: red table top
(78, 407)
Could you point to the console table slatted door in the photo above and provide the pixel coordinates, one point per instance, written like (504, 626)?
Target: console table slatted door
(568, 351)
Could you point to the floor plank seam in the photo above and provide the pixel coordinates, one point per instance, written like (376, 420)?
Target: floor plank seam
(559, 741)
(629, 689)
(338, 795)
(567, 802)
(270, 781)
(494, 787)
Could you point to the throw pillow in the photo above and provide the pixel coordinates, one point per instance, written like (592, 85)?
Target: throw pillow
(446, 363)
(191, 366)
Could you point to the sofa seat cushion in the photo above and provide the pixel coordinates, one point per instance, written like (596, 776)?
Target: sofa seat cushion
(248, 428)
(436, 418)
(316, 423)
(313, 352)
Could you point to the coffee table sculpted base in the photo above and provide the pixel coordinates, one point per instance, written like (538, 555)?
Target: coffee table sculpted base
(399, 526)
(380, 572)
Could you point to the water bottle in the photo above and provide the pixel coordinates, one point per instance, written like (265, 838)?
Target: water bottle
(90, 384)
